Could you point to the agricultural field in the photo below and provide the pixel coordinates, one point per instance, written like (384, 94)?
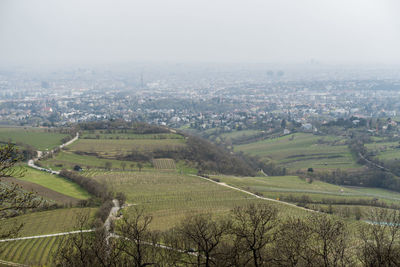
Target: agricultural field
(55, 183)
(282, 187)
(110, 148)
(46, 193)
(170, 197)
(38, 138)
(164, 164)
(302, 151)
(385, 150)
(36, 252)
(126, 134)
(47, 222)
(67, 160)
(39, 251)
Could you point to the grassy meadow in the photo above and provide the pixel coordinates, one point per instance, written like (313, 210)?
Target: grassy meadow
(55, 183)
(38, 138)
(302, 151)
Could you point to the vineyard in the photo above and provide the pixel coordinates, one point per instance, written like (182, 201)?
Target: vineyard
(36, 252)
(170, 196)
(46, 222)
(302, 151)
(164, 164)
(109, 149)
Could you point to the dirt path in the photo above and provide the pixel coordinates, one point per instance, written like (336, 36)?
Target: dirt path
(9, 263)
(113, 212)
(31, 162)
(49, 235)
(254, 195)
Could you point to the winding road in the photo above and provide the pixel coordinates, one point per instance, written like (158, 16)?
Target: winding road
(31, 162)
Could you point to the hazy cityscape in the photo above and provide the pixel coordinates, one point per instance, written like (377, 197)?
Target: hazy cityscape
(197, 97)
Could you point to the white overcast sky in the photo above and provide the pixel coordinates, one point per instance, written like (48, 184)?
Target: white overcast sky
(280, 31)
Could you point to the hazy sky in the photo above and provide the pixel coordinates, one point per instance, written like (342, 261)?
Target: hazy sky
(282, 31)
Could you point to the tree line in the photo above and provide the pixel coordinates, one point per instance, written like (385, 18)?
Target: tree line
(252, 235)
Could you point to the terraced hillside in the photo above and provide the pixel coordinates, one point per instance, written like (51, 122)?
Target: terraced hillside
(315, 194)
(303, 151)
(170, 196)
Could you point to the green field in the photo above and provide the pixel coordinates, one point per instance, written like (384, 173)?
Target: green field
(46, 222)
(170, 197)
(385, 150)
(280, 187)
(36, 252)
(55, 183)
(110, 148)
(302, 151)
(67, 160)
(39, 251)
(38, 138)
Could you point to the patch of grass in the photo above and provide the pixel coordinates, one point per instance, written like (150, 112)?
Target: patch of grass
(42, 191)
(38, 138)
(303, 150)
(55, 182)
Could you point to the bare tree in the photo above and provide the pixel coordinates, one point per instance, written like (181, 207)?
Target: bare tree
(291, 244)
(329, 241)
(252, 227)
(380, 239)
(137, 239)
(13, 200)
(203, 236)
(88, 249)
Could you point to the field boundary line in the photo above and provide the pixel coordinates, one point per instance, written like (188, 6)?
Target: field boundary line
(254, 195)
(48, 235)
(10, 263)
